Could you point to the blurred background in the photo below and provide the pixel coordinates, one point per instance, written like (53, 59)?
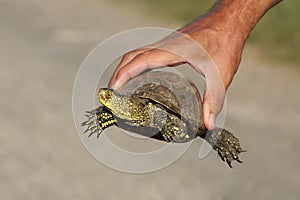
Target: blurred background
(42, 46)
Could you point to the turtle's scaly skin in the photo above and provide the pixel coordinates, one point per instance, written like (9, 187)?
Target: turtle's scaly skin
(141, 112)
(155, 108)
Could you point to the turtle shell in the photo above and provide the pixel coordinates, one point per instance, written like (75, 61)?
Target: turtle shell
(171, 90)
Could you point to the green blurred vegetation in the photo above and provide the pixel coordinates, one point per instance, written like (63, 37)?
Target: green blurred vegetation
(277, 34)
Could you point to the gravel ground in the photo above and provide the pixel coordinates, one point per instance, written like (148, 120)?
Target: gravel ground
(42, 46)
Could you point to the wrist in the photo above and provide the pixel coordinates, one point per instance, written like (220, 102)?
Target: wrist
(219, 22)
(225, 28)
(242, 15)
(219, 28)
(231, 16)
(222, 37)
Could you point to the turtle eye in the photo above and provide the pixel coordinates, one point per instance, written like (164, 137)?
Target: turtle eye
(108, 95)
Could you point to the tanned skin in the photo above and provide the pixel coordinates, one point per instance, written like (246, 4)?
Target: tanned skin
(222, 32)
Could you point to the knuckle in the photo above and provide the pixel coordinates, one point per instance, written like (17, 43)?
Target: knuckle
(142, 55)
(125, 73)
(128, 56)
(146, 55)
(132, 54)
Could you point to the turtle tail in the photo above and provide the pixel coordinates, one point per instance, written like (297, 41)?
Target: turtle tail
(225, 143)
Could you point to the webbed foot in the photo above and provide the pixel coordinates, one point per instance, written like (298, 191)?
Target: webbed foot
(226, 144)
(93, 124)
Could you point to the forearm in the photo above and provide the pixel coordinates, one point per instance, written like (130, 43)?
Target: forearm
(224, 29)
(222, 32)
(244, 14)
(239, 16)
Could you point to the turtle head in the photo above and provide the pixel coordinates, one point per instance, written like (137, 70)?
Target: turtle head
(106, 97)
(117, 103)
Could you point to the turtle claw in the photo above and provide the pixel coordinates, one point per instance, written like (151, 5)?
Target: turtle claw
(229, 164)
(226, 144)
(92, 122)
(98, 133)
(84, 123)
(86, 130)
(98, 120)
(91, 134)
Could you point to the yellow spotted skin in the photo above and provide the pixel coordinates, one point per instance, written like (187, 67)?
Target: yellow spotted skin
(143, 112)
(106, 119)
(98, 120)
(138, 112)
(108, 123)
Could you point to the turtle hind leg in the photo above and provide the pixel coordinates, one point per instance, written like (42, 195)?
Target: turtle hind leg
(98, 120)
(226, 144)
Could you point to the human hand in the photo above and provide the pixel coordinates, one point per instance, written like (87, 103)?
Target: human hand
(222, 32)
(197, 48)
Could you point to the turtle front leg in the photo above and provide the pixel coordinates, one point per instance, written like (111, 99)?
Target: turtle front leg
(98, 120)
(226, 144)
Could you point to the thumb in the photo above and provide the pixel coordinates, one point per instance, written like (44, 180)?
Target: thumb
(212, 103)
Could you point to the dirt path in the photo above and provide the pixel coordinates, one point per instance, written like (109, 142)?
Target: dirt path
(42, 46)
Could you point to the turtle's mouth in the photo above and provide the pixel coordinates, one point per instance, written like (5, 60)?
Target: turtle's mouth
(105, 96)
(120, 105)
(106, 104)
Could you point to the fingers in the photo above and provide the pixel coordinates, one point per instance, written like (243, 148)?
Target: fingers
(126, 59)
(212, 104)
(148, 59)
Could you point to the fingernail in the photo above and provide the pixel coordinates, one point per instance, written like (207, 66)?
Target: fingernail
(112, 85)
(212, 119)
(116, 85)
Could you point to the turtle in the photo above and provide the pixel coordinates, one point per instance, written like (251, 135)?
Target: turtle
(161, 105)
